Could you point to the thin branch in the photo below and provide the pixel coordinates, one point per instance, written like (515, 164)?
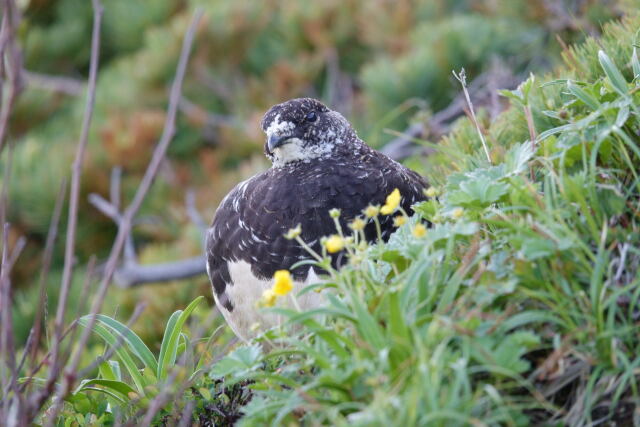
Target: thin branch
(10, 65)
(62, 84)
(69, 255)
(462, 78)
(41, 312)
(192, 211)
(129, 214)
(114, 187)
(131, 273)
(6, 334)
(129, 276)
(211, 119)
(481, 90)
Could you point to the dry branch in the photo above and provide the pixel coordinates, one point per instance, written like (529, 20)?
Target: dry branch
(62, 84)
(130, 273)
(126, 221)
(10, 65)
(482, 91)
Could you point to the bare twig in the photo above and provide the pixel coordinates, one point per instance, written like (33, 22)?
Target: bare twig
(69, 255)
(10, 65)
(462, 78)
(185, 419)
(482, 90)
(130, 212)
(89, 274)
(62, 84)
(6, 334)
(41, 312)
(192, 211)
(114, 188)
(532, 136)
(211, 119)
(131, 273)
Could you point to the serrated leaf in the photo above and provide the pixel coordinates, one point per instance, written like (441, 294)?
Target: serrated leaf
(240, 360)
(484, 192)
(518, 157)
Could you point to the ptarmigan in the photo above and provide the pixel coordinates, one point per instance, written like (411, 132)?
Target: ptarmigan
(318, 163)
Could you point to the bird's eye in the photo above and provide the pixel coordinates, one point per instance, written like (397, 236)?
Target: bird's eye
(311, 117)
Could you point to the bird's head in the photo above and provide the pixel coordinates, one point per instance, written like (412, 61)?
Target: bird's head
(303, 129)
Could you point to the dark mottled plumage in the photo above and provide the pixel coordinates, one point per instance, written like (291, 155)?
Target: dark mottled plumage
(331, 168)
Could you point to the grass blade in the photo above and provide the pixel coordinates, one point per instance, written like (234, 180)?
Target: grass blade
(122, 353)
(583, 95)
(119, 388)
(618, 81)
(169, 347)
(133, 341)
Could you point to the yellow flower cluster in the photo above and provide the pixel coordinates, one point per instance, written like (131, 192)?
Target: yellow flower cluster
(399, 220)
(334, 243)
(371, 211)
(431, 192)
(392, 202)
(419, 230)
(357, 224)
(282, 285)
(293, 232)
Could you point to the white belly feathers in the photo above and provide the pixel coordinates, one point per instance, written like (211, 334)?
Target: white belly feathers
(246, 319)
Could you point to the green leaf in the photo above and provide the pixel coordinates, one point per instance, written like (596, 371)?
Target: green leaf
(484, 192)
(635, 64)
(583, 95)
(118, 389)
(169, 346)
(618, 81)
(537, 247)
(133, 341)
(110, 370)
(518, 157)
(121, 351)
(240, 360)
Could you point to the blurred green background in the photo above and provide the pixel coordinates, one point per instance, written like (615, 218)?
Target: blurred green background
(383, 64)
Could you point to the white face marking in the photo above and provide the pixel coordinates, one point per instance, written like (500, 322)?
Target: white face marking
(295, 149)
(245, 293)
(278, 128)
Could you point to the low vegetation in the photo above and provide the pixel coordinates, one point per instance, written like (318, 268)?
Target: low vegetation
(511, 297)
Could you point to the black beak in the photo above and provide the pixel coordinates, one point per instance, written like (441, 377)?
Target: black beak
(276, 141)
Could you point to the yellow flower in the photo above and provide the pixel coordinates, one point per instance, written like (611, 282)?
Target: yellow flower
(282, 283)
(334, 244)
(431, 192)
(268, 298)
(392, 202)
(399, 220)
(419, 230)
(334, 213)
(457, 213)
(293, 232)
(371, 211)
(357, 224)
